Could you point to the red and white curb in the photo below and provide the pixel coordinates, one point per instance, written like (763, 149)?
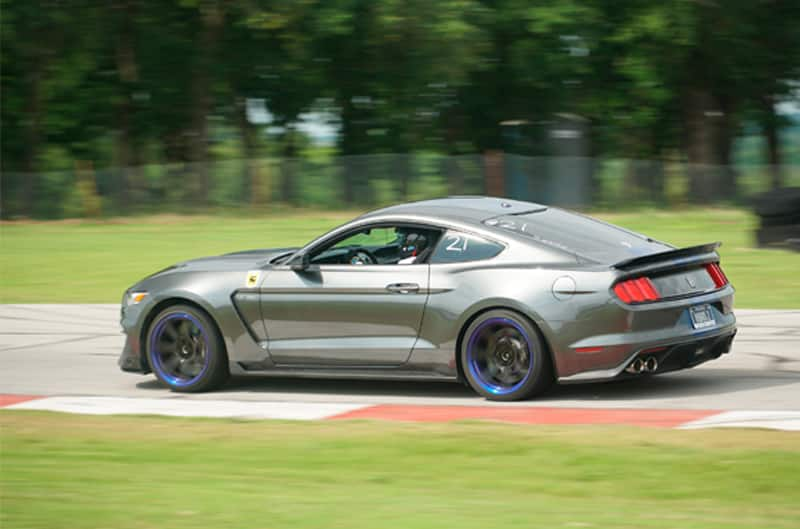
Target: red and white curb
(773, 420)
(234, 409)
(181, 407)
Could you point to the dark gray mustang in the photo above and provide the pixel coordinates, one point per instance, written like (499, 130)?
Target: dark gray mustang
(506, 296)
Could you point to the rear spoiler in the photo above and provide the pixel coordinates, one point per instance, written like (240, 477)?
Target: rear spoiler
(703, 253)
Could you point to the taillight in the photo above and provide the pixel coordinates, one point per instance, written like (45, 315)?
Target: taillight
(636, 290)
(717, 275)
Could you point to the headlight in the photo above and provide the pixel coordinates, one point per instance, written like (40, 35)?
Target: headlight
(128, 299)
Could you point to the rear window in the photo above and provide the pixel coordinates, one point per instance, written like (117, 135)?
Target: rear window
(458, 247)
(579, 235)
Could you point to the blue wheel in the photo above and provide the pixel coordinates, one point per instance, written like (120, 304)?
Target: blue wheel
(503, 357)
(185, 350)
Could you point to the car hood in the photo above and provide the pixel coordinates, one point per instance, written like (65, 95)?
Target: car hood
(243, 260)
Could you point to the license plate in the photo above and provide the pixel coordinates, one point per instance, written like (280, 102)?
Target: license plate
(702, 316)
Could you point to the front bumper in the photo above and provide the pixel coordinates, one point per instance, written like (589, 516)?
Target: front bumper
(132, 359)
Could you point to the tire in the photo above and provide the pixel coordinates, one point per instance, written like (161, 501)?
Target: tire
(504, 357)
(779, 203)
(186, 351)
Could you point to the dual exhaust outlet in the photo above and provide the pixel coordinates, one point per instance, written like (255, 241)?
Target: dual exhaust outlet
(643, 365)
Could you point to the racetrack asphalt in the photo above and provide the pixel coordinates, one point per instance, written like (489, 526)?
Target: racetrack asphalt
(72, 350)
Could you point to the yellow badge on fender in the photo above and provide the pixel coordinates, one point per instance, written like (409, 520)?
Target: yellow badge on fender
(252, 278)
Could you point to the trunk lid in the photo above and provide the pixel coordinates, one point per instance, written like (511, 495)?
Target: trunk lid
(675, 273)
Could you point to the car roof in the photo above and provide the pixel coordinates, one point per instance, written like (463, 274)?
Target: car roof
(470, 209)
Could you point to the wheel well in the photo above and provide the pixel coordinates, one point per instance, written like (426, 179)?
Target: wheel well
(163, 304)
(463, 331)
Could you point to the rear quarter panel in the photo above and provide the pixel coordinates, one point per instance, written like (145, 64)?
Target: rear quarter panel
(520, 279)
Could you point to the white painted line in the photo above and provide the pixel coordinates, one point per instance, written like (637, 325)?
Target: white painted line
(774, 420)
(183, 407)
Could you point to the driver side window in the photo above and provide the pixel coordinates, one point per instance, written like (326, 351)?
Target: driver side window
(369, 238)
(379, 245)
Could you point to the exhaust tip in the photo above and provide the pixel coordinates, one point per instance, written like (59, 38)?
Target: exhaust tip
(636, 367)
(651, 364)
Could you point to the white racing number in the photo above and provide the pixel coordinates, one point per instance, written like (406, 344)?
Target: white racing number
(510, 225)
(456, 243)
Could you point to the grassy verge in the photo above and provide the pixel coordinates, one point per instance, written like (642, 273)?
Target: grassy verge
(94, 262)
(83, 471)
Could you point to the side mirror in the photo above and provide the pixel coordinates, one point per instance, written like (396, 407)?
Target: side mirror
(299, 265)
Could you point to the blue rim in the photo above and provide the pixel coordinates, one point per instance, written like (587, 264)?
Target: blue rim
(156, 354)
(474, 363)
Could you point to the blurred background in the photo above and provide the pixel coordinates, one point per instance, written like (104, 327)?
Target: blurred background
(165, 130)
(183, 106)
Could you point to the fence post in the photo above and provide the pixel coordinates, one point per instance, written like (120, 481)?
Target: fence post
(493, 173)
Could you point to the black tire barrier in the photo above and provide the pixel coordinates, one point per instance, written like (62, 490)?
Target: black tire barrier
(779, 214)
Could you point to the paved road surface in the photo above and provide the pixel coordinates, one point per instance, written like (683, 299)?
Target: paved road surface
(73, 349)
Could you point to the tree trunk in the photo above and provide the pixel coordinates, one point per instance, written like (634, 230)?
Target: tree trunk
(33, 134)
(770, 125)
(644, 181)
(288, 184)
(402, 168)
(644, 178)
(453, 175)
(247, 133)
(128, 73)
(708, 128)
(176, 152)
(494, 173)
(212, 16)
(728, 126)
(348, 149)
(656, 181)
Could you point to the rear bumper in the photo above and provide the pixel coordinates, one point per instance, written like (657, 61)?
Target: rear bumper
(601, 347)
(670, 357)
(682, 356)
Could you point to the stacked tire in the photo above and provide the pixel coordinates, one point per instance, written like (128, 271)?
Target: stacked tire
(779, 212)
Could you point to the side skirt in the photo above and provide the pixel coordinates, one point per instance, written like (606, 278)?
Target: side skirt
(340, 373)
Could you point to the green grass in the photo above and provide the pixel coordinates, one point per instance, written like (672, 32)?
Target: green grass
(74, 261)
(94, 262)
(122, 472)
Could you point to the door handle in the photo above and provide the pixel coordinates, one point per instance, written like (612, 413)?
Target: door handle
(403, 288)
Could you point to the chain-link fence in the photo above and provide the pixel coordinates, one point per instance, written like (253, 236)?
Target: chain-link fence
(334, 182)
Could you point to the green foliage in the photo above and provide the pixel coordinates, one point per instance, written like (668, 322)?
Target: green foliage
(134, 84)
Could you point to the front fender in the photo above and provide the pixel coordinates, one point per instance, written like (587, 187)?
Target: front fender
(210, 292)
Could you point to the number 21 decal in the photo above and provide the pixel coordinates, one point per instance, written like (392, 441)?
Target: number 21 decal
(456, 244)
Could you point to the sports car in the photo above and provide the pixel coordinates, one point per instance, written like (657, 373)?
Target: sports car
(503, 295)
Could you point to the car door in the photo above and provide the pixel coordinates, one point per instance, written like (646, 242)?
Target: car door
(343, 314)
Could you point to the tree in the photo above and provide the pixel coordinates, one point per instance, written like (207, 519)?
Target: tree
(393, 67)
(278, 64)
(771, 65)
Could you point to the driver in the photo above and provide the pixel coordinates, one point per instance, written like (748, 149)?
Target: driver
(413, 245)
